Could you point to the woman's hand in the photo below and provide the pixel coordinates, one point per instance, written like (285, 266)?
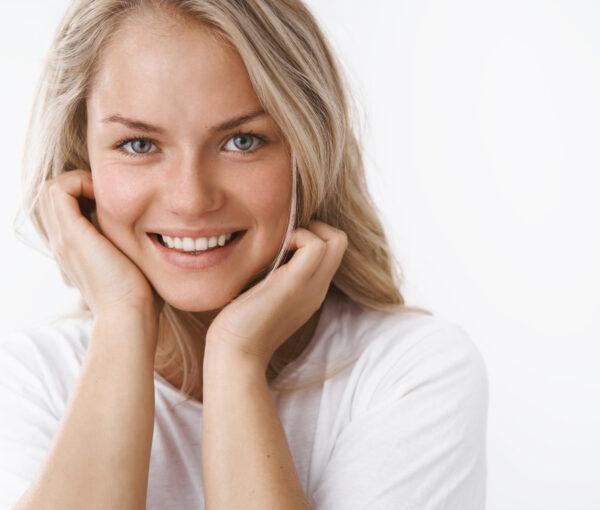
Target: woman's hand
(256, 323)
(107, 279)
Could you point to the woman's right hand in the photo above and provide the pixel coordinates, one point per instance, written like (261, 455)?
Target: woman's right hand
(107, 279)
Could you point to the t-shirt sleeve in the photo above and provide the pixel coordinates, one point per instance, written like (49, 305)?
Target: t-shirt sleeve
(420, 442)
(27, 423)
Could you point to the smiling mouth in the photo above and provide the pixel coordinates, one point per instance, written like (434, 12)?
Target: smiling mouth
(194, 246)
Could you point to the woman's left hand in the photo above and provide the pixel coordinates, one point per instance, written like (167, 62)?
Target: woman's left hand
(257, 322)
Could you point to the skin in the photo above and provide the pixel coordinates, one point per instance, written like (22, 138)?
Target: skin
(192, 177)
(175, 76)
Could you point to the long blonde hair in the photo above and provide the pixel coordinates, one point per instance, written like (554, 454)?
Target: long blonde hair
(298, 81)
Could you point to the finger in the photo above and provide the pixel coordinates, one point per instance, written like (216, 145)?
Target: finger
(76, 183)
(310, 250)
(336, 242)
(66, 191)
(60, 209)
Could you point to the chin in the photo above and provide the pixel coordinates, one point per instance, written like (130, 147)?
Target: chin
(192, 297)
(196, 302)
(196, 298)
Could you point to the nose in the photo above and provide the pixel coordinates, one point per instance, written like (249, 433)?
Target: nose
(193, 187)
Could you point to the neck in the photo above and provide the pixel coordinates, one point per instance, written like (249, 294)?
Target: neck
(169, 361)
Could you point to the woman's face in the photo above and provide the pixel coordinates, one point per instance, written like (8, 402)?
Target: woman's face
(171, 176)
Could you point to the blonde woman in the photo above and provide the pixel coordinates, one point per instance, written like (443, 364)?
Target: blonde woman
(193, 169)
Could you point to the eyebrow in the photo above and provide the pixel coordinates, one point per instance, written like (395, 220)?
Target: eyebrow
(149, 128)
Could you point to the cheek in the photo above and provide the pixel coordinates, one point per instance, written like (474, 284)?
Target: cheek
(270, 195)
(120, 197)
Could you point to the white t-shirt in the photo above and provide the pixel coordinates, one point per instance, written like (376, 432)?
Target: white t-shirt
(402, 428)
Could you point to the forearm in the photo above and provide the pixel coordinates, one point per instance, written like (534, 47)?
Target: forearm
(100, 455)
(247, 463)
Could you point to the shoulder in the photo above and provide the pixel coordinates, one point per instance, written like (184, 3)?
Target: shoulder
(44, 359)
(401, 352)
(52, 340)
(397, 335)
(409, 416)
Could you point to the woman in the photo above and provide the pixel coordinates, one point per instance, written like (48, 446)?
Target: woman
(197, 178)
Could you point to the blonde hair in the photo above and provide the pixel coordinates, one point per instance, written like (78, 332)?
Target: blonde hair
(298, 81)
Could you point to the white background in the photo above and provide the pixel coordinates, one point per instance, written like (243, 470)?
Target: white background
(482, 134)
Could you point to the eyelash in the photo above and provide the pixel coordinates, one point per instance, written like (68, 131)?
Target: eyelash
(124, 141)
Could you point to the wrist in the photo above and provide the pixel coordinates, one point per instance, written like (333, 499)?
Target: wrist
(142, 312)
(225, 364)
(128, 325)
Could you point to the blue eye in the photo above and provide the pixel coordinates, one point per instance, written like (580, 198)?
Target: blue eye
(243, 142)
(137, 146)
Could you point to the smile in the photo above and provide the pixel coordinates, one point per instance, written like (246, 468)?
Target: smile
(192, 245)
(188, 253)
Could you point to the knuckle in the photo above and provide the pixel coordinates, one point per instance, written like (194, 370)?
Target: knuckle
(53, 188)
(82, 174)
(339, 237)
(320, 245)
(47, 186)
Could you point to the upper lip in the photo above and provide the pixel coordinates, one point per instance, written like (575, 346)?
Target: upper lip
(203, 232)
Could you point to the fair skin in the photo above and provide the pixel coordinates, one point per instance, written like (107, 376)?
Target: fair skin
(165, 86)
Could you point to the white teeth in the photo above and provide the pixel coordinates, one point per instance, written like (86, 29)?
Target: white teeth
(199, 244)
(188, 244)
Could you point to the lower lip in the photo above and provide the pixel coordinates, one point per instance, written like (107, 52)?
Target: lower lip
(197, 261)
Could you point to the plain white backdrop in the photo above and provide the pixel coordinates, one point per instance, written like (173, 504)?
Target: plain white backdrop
(481, 134)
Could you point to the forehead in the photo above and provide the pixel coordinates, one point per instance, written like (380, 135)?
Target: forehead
(171, 69)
